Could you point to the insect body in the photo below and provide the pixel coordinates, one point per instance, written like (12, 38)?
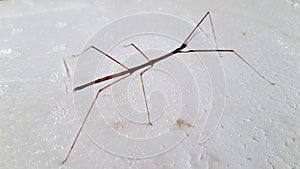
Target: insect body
(147, 66)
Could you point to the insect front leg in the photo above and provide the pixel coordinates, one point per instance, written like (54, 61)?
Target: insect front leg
(235, 54)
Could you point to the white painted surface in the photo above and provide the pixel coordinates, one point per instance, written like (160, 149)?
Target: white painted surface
(260, 125)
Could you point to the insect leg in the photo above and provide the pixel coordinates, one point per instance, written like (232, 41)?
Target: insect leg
(194, 32)
(144, 92)
(236, 54)
(88, 113)
(137, 50)
(105, 54)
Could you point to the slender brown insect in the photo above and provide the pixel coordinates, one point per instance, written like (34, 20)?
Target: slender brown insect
(148, 65)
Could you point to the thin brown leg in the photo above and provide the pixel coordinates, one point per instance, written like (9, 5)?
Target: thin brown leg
(235, 53)
(88, 113)
(189, 38)
(110, 57)
(144, 92)
(66, 67)
(194, 32)
(213, 30)
(138, 50)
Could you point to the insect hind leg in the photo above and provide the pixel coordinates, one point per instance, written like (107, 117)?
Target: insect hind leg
(88, 113)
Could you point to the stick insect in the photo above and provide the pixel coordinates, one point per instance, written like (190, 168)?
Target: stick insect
(148, 65)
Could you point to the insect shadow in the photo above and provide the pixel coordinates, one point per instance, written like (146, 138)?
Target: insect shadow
(147, 66)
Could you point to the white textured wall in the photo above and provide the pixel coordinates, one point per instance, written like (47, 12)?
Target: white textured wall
(260, 125)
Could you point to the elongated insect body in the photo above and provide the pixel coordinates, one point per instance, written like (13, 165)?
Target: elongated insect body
(148, 65)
